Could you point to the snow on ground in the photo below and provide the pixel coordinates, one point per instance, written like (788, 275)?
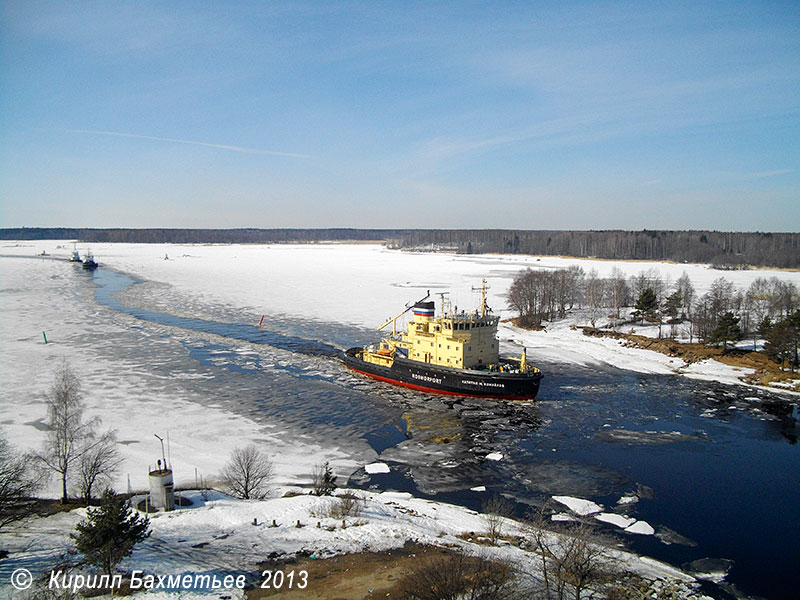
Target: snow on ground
(220, 535)
(712, 370)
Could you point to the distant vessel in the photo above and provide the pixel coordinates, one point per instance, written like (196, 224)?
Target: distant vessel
(88, 262)
(456, 353)
(76, 257)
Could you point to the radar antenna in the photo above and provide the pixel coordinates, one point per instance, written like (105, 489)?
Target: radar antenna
(484, 307)
(445, 303)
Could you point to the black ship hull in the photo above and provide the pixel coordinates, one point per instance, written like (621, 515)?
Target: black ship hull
(444, 380)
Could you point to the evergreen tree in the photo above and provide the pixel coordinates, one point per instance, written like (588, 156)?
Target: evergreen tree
(323, 480)
(783, 340)
(110, 532)
(672, 307)
(647, 303)
(727, 330)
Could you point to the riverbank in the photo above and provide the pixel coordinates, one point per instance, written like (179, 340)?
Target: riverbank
(756, 367)
(389, 536)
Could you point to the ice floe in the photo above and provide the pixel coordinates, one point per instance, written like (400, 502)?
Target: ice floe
(578, 505)
(378, 467)
(641, 527)
(628, 499)
(615, 519)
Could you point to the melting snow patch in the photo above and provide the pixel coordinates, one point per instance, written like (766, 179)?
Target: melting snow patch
(578, 505)
(396, 495)
(615, 519)
(494, 456)
(641, 527)
(377, 468)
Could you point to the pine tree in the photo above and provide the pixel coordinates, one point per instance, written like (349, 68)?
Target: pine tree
(110, 532)
(647, 303)
(727, 330)
(672, 306)
(323, 480)
(783, 340)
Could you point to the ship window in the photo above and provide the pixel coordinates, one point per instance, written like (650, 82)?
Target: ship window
(448, 346)
(469, 347)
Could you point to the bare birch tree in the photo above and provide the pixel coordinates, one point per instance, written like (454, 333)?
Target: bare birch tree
(594, 291)
(248, 473)
(19, 480)
(99, 460)
(571, 561)
(68, 431)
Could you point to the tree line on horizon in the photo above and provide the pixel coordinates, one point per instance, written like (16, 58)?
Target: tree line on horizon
(723, 249)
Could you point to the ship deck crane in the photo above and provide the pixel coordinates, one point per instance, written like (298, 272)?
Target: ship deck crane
(409, 306)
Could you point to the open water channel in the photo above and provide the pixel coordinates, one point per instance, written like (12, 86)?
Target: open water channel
(715, 469)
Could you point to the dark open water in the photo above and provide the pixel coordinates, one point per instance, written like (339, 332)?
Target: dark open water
(728, 482)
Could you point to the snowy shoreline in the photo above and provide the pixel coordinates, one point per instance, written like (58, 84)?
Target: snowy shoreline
(220, 535)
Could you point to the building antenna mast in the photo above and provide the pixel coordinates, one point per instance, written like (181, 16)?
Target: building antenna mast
(163, 456)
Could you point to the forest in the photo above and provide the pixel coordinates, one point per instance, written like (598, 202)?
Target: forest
(768, 310)
(726, 250)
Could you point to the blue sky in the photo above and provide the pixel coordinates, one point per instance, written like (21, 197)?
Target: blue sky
(401, 114)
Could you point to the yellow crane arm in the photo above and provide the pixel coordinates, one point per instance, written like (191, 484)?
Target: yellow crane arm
(408, 307)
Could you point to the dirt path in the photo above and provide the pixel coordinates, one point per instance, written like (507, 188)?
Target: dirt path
(350, 576)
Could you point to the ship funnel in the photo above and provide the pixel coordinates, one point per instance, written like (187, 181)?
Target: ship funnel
(424, 310)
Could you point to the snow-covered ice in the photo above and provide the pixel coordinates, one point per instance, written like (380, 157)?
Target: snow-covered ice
(641, 527)
(615, 519)
(579, 506)
(374, 468)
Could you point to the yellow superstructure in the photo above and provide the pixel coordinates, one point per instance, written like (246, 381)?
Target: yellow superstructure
(462, 340)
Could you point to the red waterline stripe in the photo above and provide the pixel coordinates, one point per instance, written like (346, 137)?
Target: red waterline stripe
(422, 388)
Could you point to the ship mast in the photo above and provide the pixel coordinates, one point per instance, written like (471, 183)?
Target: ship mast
(445, 303)
(484, 287)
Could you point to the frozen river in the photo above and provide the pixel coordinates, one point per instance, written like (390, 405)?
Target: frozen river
(713, 468)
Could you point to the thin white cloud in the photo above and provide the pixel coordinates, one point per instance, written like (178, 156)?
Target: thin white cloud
(761, 174)
(191, 142)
